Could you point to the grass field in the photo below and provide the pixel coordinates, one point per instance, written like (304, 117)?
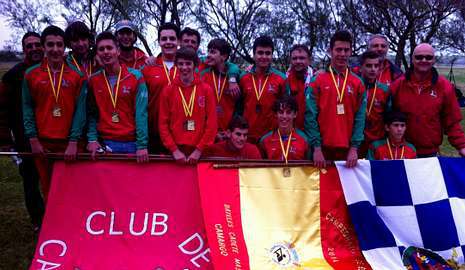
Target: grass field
(17, 241)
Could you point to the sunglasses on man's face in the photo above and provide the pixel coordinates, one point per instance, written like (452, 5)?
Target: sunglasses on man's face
(32, 45)
(427, 57)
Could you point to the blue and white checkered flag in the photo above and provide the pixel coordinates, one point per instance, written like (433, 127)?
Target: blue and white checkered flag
(401, 203)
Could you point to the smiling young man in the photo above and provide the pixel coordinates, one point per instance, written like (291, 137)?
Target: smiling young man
(80, 40)
(394, 145)
(54, 97)
(118, 104)
(261, 86)
(378, 99)
(235, 144)
(428, 99)
(130, 55)
(158, 76)
(298, 78)
(187, 119)
(286, 142)
(216, 76)
(12, 81)
(336, 107)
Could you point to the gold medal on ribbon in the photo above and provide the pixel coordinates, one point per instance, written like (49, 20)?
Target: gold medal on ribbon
(113, 96)
(115, 117)
(56, 111)
(340, 93)
(189, 125)
(286, 170)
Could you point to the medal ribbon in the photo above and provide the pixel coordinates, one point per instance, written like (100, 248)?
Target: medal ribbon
(259, 94)
(372, 100)
(390, 150)
(340, 93)
(168, 74)
(56, 92)
(88, 71)
(285, 152)
(114, 97)
(188, 108)
(219, 92)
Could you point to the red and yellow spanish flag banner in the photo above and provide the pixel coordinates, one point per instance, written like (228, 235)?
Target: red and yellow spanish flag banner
(264, 219)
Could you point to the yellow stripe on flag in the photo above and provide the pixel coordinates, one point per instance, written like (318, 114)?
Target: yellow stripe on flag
(281, 218)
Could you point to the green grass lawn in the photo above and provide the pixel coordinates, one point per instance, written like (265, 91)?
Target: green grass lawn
(17, 241)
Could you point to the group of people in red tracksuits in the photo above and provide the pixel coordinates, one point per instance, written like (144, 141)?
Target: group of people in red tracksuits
(106, 96)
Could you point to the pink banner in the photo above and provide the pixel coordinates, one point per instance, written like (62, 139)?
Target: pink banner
(121, 216)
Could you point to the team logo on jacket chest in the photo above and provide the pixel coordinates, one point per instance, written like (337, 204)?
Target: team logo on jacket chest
(125, 90)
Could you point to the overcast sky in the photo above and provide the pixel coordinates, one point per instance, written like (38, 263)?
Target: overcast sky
(5, 31)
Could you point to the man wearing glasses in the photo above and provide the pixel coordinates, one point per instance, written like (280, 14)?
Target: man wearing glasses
(429, 101)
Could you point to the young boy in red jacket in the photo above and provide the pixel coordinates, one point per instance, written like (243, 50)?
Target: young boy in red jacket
(118, 104)
(394, 145)
(285, 142)
(53, 96)
(235, 145)
(187, 119)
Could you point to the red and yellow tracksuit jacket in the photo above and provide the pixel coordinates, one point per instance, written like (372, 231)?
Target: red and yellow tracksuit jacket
(138, 60)
(131, 106)
(223, 149)
(39, 103)
(156, 79)
(226, 105)
(432, 110)
(173, 121)
(323, 125)
(271, 146)
(379, 150)
(259, 113)
(295, 86)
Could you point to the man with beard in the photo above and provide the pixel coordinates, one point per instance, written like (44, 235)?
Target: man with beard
(80, 40)
(126, 35)
(389, 72)
(428, 99)
(54, 99)
(157, 76)
(12, 82)
(298, 78)
(216, 76)
(261, 87)
(336, 105)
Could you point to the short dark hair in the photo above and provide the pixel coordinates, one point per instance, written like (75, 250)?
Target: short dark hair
(221, 45)
(191, 32)
(186, 53)
(300, 47)
(263, 41)
(51, 30)
(285, 101)
(77, 30)
(169, 26)
(29, 34)
(369, 55)
(238, 122)
(106, 35)
(394, 116)
(341, 35)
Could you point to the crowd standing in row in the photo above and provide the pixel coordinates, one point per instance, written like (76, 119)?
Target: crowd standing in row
(106, 95)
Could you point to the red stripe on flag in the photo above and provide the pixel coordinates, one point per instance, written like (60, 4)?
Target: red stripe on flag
(338, 238)
(220, 197)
